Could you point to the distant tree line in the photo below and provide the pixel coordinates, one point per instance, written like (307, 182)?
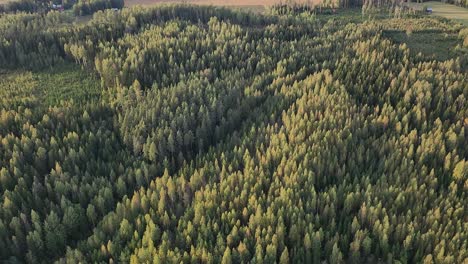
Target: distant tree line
(29, 6)
(87, 7)
(80, 7)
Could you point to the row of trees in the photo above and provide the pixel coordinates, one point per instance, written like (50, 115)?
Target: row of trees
(462, 3)
(87, 7)
(29, 6)
(80, 7)
(33, 6)
(290, 6)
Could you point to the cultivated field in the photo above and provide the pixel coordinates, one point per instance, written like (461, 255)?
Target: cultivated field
(456, 13)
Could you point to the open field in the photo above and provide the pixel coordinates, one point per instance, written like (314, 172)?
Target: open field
(456, 13)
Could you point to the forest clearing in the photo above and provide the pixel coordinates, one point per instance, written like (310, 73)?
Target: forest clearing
(456, 13)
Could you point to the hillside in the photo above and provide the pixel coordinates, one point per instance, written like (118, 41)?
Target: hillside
(202, 134)
(213, 2)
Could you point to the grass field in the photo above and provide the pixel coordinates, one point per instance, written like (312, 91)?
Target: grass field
(456, 13)
(437, 45)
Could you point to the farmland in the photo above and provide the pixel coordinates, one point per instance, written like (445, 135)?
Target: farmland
(456, 13)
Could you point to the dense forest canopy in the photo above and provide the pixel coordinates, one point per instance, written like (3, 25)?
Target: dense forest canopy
(209, 135)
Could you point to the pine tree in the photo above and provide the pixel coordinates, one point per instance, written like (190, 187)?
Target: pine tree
(227, 259)
(284, 259)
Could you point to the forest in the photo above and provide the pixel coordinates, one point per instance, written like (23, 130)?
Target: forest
(203, 134)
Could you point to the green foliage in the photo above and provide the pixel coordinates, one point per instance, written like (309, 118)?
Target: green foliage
(226, 137)
(19, 6)
(64, 83)
(434, 38)
(440, 46)
(86, 7)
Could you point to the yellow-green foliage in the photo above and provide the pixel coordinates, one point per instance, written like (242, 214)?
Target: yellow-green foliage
(218, 136)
